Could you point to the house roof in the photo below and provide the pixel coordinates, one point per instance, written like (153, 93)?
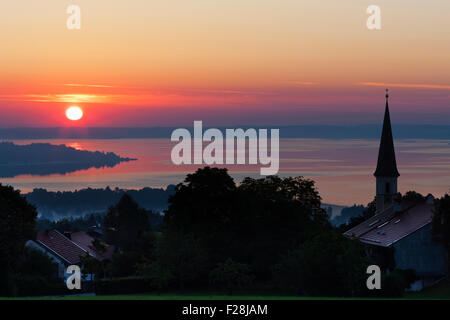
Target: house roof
(85, 241)
(60, 245)
(390, 225)
(386, 165)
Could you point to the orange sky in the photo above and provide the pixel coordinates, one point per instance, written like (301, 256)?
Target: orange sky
(152, 62)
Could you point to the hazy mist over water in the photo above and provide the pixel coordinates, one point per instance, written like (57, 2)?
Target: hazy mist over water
(343, 169)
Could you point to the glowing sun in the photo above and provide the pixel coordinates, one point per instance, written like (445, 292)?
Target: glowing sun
(74, 113)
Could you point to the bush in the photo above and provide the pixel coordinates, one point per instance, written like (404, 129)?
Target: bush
(160, 276)
(231, 275)
(29, 285)
(327, 265)
(7, 285)
(34, 275)
(123, 285)
(394, 283)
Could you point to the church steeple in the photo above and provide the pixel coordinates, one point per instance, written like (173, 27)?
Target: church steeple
(386, 165)
(386, 171)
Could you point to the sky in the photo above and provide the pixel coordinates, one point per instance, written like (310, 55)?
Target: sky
(225, 62)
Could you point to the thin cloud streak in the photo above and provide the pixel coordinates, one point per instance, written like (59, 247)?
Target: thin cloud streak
(405, 85)
(88, 85)
(68, 98)
(303, 83)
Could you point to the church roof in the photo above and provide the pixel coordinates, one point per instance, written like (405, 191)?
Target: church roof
(393, 224)
(386, 165)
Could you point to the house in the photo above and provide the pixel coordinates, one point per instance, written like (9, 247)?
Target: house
(84, 240)
(400, 226)
(66, 249)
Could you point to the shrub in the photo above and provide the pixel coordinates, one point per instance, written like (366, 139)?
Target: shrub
(123, 285)
(394, 283)
(30, 285)
(327, 265)
(231, 275)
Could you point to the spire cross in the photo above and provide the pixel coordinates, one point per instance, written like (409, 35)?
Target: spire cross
(387, 93)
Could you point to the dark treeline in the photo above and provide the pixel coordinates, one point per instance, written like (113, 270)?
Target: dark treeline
(85, 223)
(264, 235)
(89, 223)
(66, 204)
(261, 236)
(347, 213)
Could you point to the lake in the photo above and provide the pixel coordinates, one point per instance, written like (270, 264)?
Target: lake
(343, 169)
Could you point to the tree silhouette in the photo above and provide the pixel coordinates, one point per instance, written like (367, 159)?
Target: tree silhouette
(17, 225)
(253, 223)
(125, 223)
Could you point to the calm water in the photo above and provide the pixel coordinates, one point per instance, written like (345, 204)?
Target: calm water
(342, 169)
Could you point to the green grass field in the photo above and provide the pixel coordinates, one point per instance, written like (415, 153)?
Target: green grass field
(176, 297)
(440, 291)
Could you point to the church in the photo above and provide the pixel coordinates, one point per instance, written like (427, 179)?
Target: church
(400, 231)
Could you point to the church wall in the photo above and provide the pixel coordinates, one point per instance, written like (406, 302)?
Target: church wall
(418, 251)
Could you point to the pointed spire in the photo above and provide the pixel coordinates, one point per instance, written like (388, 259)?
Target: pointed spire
(387, 165)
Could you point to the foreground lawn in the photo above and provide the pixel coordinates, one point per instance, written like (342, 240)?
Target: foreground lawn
(440, 291)
(178, 297)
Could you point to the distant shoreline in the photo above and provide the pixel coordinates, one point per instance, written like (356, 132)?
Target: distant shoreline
(45, 159)
(369, 131)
